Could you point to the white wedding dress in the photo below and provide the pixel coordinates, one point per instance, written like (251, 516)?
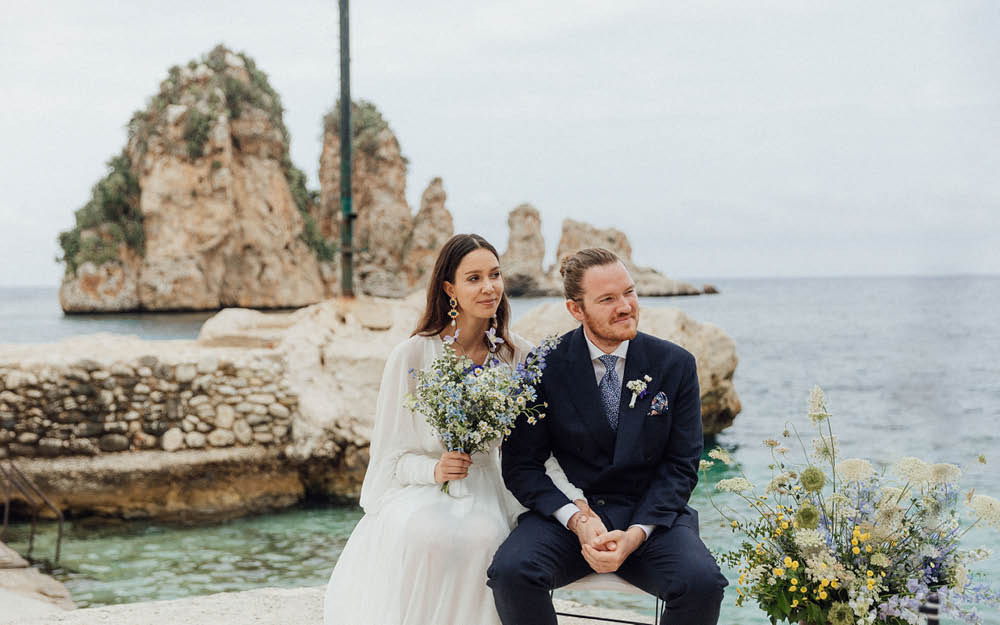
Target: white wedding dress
(419, 556)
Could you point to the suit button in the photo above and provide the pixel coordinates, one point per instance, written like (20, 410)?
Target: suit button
(600, 502)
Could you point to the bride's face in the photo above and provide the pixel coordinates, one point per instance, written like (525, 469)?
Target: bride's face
(478, 284)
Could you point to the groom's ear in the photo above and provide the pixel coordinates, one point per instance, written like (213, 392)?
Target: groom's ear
(575, 309)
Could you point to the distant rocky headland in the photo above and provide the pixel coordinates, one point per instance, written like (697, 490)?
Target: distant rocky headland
(203, 209)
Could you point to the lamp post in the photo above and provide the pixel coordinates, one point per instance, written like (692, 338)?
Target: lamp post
(346, 208)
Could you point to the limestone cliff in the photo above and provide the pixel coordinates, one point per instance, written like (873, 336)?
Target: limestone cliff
(203, 209)
(386, 234)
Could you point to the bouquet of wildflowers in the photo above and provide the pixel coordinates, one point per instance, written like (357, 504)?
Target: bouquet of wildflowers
(835, 541)
(472, 405)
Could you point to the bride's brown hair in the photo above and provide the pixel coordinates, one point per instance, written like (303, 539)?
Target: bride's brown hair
(436, 318)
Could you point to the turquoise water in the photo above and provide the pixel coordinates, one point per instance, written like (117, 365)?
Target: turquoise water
(910, 367)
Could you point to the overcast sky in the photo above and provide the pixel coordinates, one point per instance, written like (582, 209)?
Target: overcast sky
(726, 138)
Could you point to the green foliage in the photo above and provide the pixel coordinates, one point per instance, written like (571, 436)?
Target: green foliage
(197, 127)
(112, 216)
(366, 124)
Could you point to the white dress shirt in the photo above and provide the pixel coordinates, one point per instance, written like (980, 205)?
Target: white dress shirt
(564, 514)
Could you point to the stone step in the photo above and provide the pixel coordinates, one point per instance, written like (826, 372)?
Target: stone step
(10, 559)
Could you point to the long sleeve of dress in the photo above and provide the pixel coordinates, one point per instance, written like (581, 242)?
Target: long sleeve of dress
(398, 455)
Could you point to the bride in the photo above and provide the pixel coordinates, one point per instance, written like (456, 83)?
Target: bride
(419, 556)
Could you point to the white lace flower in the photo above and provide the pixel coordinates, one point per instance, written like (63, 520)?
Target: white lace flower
(913, 470)
(808, 540)
(826, 449)
(780, 484)
(944, 473)
(986, 508)
(721, 455)
(881, 560)
(734, 485)
(705, 465)
(817, 405)
(855, 470)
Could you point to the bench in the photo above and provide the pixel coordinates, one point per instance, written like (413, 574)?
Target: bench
(609, 581)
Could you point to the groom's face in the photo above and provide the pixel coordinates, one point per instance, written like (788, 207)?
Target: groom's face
(609, 307)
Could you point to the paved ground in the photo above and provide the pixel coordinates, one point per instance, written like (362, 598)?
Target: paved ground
(266, 606)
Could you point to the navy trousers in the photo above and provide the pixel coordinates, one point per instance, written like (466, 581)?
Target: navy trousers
(540, 555)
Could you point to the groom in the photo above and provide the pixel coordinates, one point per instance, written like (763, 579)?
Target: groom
(636, 463)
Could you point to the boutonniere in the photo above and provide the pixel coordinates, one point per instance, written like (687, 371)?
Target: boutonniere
(638, 388)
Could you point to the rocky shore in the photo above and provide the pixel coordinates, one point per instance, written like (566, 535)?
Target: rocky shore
(262, 410)
(265, 606)
(26, 592)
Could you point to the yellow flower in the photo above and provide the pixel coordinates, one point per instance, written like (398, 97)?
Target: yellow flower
(795, 581)
(804, 590)
(791, 589)
(822, 594)
(866, 536)
(788, 561)
(735, 524)
(795, 603)
(835, 584)
(795, 564)
(869, 573)
(784, 525)
(823, 583)
(854, 541)
(779, 572)
(868, 548)
(856, 551)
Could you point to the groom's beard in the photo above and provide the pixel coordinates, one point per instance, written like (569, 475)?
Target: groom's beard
(607, 330)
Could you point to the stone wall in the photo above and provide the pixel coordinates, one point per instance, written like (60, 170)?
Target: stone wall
(88, 408)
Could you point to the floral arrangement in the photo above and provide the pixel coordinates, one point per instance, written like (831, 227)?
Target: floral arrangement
(471, 405)
(835, 541)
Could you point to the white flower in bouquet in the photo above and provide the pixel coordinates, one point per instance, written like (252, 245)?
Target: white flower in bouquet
(470, 405)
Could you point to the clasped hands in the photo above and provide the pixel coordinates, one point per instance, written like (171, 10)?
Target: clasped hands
(604, 551)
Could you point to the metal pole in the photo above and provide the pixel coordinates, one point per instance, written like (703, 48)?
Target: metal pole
(347, 225)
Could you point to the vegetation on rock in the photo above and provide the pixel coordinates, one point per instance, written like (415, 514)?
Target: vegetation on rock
(110, 218)
(366, 124)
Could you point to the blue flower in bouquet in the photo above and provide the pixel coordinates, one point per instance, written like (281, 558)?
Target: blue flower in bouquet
(471, 405)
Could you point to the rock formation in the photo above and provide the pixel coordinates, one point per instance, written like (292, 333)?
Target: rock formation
(522, 261)
(25, 590)
(386, 234)
(713, 349)
(577, 235)
(432, 227)
(203, 209)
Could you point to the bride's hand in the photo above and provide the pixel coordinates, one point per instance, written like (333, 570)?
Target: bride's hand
(453, 465)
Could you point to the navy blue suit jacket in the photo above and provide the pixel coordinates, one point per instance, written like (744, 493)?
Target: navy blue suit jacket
(643, 473)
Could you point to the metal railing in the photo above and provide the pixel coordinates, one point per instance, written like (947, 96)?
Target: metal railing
(12, 477)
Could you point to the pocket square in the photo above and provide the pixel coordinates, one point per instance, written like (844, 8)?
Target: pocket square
(659, 405)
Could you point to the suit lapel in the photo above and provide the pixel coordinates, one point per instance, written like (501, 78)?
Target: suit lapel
(581, 386)
(630, 420)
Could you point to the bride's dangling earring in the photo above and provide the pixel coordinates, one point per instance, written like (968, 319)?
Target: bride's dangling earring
(453, 313)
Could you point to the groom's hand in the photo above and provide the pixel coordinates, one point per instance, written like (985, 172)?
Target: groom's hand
(604, 558)
(586, 524)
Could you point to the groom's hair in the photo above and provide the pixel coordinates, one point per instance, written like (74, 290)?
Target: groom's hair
(574, 266)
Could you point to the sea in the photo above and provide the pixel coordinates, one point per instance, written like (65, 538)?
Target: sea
(910, 367)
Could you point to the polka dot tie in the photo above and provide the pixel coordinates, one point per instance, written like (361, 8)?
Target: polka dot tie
(611, 390)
